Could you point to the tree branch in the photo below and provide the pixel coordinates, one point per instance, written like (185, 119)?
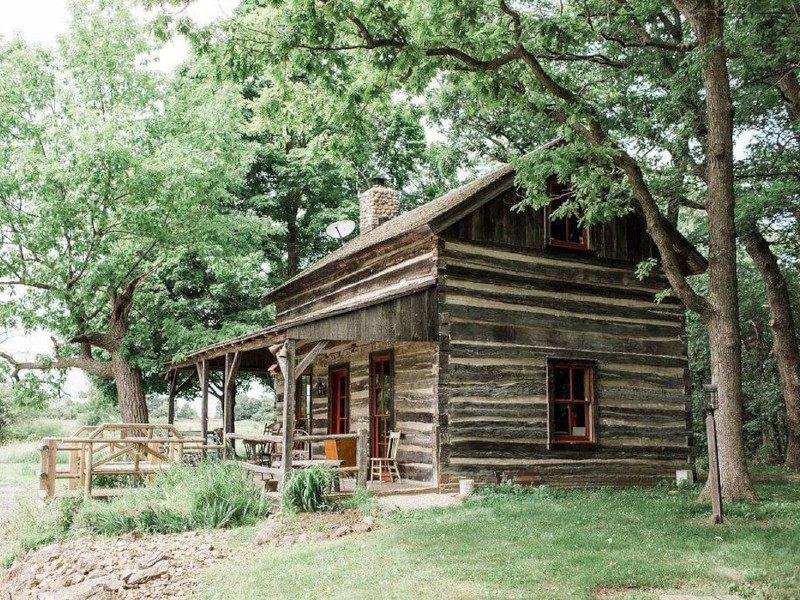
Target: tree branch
(98, 339)
(93, 367)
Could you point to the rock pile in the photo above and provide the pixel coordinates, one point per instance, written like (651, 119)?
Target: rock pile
(133, 566)
(139, 567)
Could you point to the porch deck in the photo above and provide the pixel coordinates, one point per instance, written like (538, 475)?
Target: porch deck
(394, 488)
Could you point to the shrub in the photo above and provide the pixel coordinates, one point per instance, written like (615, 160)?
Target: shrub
(186, 412)
(36, 524)
(101, 408)
(306, 490)
(32, 429)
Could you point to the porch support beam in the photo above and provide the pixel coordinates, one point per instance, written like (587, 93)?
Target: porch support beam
(309, 358)
(173, 380)
(202, 375)
(286, 358)
(233, 361)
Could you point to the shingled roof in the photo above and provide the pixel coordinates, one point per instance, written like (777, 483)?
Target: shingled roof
(421, 216)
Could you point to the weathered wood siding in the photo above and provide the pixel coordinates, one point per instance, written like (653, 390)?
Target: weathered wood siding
(503, 312)
(411, 317)
(404, 266)
(622, 239)
(416, 372)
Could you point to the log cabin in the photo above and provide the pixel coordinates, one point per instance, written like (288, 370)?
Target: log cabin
(498, 343)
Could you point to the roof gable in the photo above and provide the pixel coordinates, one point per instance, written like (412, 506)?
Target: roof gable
(437, 215)
(432, 218)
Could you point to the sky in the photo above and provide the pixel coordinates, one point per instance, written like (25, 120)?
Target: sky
(42, 21)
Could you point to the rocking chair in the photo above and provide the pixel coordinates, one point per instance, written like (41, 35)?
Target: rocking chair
(389, 462)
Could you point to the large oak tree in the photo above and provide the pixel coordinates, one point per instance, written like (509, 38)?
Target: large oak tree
(596, 71)
(108, 172)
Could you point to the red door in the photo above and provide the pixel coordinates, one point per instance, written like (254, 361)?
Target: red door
(381, 402)
(339, 400)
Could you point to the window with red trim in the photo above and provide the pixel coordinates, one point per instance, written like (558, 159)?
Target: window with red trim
(571, 397)
(565, 232)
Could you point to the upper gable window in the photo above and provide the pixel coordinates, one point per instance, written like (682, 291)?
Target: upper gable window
(565, 232)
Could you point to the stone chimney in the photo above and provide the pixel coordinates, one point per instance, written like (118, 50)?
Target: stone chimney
(377, 205)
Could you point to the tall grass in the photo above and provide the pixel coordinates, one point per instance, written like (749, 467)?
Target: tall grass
(210, 495)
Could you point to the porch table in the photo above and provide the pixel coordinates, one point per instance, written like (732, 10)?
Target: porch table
(304, 464)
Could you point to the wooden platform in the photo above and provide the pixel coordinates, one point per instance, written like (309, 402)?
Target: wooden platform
(385, 488)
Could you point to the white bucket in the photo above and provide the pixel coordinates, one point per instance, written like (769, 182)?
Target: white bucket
(465, 486)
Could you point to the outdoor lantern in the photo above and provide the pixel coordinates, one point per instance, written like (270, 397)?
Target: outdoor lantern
(710, 400)
(322, 390)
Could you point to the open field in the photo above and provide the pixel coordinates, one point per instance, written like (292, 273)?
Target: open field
(555, 544)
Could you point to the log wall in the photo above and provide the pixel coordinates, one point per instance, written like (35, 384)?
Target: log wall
(503, 312)
(416, 372)
(622, 239)
(399, 267)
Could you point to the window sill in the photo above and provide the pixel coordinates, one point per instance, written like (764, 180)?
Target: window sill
(555, 246)
(574, 445)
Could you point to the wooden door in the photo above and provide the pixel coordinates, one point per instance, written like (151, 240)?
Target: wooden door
(381, 405)
(339, 400)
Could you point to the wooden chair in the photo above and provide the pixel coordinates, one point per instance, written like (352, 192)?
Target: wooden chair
(345, 451)
(388, 462)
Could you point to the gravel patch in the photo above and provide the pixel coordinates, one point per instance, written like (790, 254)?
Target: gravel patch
(417, 501)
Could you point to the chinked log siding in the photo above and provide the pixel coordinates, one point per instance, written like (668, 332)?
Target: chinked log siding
(368, 277)
(503, 312)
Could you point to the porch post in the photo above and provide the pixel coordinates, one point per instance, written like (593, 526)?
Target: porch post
(202, 373)
(232, 363)
(289, 383)
(173, 380)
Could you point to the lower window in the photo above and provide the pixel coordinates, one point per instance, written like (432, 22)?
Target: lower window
(571, 402)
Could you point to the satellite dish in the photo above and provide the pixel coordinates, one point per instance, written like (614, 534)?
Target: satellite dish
(340, 229)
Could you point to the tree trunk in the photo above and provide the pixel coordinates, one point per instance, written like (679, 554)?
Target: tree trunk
(707, 20)
(130, 391)
(128, 379)
(784, 337)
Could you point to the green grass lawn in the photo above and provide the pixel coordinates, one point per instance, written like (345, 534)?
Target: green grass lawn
(551, 544)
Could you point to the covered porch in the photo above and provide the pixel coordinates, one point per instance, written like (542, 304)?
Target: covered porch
(356, 388)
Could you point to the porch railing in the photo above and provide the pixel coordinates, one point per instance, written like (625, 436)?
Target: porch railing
(133, 449)
(272, 473)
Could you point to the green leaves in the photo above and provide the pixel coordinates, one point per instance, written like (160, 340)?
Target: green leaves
(108, 172)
